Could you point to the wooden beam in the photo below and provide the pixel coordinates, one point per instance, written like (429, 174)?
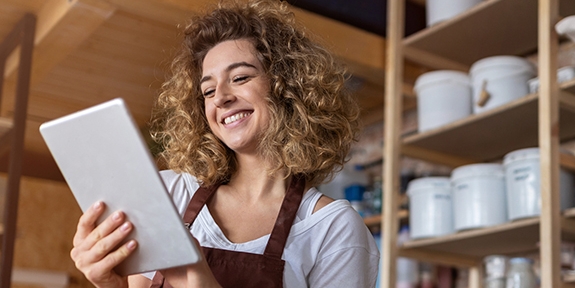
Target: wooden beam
(550, 227)
(364, 51)
(173, 12)
(392, 130)
(62, 26)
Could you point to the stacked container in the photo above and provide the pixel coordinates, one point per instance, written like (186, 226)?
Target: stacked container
(498, 80)
(522, 170)
(430, 207)
(478, 196)
(440, 10)
(443, 96)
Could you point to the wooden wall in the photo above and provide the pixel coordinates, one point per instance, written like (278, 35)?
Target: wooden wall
(47, 219)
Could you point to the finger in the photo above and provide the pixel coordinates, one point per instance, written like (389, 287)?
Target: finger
(109, 225)
(114, 258)
(87, 222)
(107, 244)
(104, 246)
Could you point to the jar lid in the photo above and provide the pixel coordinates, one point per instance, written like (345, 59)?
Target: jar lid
(436, 184)
(521, 154)
(480, 169)
(439, 76)
(501, 60)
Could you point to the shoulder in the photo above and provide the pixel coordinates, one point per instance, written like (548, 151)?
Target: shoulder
(181, 186)
(322, 202)
(174, 180)
(335, 222)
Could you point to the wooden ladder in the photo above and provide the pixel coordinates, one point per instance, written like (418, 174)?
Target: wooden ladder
(12, 134)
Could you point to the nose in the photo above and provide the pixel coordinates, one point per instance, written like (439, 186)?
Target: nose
(223, 95)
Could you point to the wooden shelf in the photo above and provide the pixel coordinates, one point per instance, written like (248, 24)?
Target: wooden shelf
(569, 213)
(376, 219)
(569, 278)
(508, 238)
(512, 126)
(485, 30)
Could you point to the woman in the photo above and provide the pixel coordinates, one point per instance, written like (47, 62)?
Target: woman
(258, 114)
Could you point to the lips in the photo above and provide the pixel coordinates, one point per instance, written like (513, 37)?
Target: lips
(236, 117)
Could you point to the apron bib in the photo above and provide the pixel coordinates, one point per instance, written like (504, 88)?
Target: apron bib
(241, 269)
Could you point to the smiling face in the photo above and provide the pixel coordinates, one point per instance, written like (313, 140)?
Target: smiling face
(235, 86)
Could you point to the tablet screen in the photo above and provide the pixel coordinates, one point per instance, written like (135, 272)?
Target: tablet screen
(103, 157)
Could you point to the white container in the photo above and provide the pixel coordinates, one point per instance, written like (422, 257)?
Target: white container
(442, 97)
(495, 266)
(564, 74)
(407, 274)
(521, 274)
(523, 174)
(504, 78)
(566, 27)
(478, 196)
(430, 207)
(440, 10)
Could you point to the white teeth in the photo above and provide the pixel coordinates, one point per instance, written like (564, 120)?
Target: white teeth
(235, 117)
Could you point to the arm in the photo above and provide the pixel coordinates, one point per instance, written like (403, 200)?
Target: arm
(139, 281)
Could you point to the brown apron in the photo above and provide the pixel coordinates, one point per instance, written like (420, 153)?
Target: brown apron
(241, 269)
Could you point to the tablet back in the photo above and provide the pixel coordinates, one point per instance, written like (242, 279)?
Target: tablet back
(103, 157)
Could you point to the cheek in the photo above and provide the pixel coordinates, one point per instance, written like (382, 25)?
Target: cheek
(210, 115)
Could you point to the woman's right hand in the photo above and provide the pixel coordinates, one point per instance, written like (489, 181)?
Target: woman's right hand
(93, 251)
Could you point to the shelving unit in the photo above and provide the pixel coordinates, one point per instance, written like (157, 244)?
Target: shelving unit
(376, 219)
(12, 129)
(544, 119)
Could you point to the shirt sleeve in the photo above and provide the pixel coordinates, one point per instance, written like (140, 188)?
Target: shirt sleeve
(352, 267)
(349, 256)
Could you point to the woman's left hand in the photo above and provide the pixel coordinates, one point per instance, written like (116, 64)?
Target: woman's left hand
(193, 275)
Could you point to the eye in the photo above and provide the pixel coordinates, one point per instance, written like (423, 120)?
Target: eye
(239, 79)
(208, 92)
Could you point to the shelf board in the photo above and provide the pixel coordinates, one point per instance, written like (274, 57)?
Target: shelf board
(494, 27)
(569, 278)
(512, 126)
(569, 213)
(375, 220)
(508, 238)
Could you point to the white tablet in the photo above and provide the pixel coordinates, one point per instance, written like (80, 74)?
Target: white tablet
(103, 157)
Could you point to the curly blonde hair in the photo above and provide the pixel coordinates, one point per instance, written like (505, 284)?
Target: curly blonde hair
(314, 118)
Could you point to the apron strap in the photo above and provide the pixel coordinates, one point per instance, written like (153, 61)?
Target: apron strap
(198, 201)
(284, 221)
(287, 214)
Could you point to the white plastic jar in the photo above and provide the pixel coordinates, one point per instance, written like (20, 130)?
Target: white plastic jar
(520, 274)
(430, 207)
(440, 10)
(523, 182)
(478, 196)
(503, 78)
(443, 96)
(495, 267)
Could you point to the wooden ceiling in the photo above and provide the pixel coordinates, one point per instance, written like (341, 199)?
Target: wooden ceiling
(90, 51)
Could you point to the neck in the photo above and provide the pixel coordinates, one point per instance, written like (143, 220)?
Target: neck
(253, 182)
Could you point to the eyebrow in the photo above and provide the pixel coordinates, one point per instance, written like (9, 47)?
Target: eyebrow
(230, 68)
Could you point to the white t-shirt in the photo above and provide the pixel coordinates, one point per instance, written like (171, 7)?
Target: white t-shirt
(329, 248)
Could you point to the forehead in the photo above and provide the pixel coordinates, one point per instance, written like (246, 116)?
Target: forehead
(229, 52)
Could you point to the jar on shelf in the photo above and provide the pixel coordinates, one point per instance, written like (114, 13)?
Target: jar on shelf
(430, 207)
(520, 274)
(495, 267)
